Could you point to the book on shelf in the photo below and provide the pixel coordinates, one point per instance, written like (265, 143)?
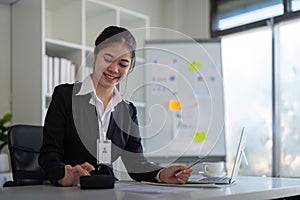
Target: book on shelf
(72, 72)
(59, 71)
(49, 74)
(56, 72)
(64, 70)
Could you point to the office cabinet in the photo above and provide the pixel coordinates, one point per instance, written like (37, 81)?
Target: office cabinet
(63, 29)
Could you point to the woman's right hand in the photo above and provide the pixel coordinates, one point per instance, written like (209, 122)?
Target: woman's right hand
(72, 174)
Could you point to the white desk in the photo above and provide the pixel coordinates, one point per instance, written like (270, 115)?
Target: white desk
(245, 188)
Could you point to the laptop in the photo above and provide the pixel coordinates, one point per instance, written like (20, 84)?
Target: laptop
(227, 179)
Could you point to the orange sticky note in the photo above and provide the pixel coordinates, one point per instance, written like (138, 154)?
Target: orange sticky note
(174, 105)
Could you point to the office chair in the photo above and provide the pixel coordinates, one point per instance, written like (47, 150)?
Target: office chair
(24, 142)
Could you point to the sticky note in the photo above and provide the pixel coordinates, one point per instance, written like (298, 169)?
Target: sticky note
(195, 66)
(174, 105)
(199, 137)
(199, 78)
(172, 78)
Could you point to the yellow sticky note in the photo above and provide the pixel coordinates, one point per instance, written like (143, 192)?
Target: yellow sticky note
(199, 137)
(195, 66)
(174, 105)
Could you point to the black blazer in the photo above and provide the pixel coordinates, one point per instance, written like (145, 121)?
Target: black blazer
(71, 130)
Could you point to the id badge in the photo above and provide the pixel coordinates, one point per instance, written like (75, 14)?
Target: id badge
(104, 152)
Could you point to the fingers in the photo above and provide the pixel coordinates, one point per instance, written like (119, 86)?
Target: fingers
(87, 166)
(68, 168)
(179, 167)
(176, 174)
(181, 181)
(72, 174)
(80, 171)
(83, 169)
(182, 175)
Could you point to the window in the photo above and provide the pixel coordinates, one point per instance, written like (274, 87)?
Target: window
(261, 72)
(233, 13)
(230, 16)
(247, 84)
(288, 64)
(295, 5)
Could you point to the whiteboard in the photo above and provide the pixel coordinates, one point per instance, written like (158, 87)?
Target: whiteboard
(184, 102)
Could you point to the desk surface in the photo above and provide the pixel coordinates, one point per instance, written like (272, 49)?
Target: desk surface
(245, 188)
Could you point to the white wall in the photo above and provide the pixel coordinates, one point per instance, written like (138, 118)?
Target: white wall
(5, 64)
(152, 8)
(190, 17)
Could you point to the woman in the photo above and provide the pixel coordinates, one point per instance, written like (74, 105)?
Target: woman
(87, 120)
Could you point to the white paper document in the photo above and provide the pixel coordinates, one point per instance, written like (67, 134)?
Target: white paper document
(189, 184)
(138, 187)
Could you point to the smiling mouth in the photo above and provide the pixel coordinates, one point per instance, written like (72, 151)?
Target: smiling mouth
(110, 76)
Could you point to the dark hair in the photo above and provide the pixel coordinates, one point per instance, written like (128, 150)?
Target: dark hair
(115, 34)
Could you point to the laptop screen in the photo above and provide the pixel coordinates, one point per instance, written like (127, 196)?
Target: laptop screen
(238, 157)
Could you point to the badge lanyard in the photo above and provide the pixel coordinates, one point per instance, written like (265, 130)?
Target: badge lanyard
(103, 144)
(102, 132)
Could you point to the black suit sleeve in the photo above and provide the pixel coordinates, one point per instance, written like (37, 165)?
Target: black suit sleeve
(138, 167)
(52, 151)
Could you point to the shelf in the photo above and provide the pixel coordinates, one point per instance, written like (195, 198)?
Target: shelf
(131, 21)
(63, 19)
(61, 46)
(63, 49)
(97, 18)
(63, 29)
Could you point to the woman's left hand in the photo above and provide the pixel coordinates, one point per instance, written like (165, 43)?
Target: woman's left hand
(172, 175)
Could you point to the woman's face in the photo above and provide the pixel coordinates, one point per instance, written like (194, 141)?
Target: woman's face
(111, 65)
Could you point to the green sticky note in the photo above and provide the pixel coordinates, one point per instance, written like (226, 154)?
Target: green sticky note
(195, 66)
(199, 137)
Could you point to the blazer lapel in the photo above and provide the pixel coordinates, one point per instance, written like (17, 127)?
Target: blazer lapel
(86, 123)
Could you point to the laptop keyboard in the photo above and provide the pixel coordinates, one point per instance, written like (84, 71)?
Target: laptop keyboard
(224, 179)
